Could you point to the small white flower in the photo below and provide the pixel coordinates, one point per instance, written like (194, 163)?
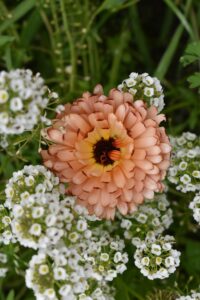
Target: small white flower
(35, 229)
(50, 293)
(149, 92)
(43, 269)
(145, 261)
(148, 80)
(16, 104)
(3, 96)
(156, 249)
(60, 273)
(37, 212)
(104, 257)
(185, 179)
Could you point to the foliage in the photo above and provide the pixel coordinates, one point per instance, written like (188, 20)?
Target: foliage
(77, 44)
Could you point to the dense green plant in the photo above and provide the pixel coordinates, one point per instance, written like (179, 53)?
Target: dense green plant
(77, 44)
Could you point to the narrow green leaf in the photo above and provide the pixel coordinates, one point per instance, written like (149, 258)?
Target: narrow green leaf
(167, 57)
(181, 17)
(4, 39)
(20, 10)
(11, 295)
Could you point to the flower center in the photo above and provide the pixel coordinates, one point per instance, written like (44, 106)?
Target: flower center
(106, 152)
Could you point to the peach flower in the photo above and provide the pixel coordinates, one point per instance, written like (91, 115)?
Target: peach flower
(110, 150)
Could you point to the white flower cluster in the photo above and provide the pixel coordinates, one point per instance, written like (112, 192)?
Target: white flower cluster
(3, 262)
(144, 87)
(41, 215)
(23, 97)
(73, 262)
(6, 236)
(76, 268)
(195, 206)
(105, 255)
(156, 258)
(154, 216)
(185, 171)
(194, 296)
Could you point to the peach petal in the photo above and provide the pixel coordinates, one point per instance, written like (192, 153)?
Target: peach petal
(120, 113)
(137, 130)
(128, 97)
(138, 197)
(139, 174)
(150, 183)
(165, 148)
(65, 155)
(123, 208)
(139, 154)
(93, 197)
(130, 120)
(118, 177)
(55, 135)
(164, 164)
(155, 150)
(145, 142)
(77, 122)
(155, 159)
(98, 209)
(106, 177)
(127, 194)
(79, 178)
(153, 171)
(59, 166)
(53, 149)
(105, 198)
(144, 164)
(139, 185)
(149, 194)
(98, 89)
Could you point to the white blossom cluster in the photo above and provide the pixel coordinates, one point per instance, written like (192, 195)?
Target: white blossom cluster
(195, 206)
(3, 262)
(61, 274)
(106, 256)
(41, 214)
(23, 97)
(185, 166)
(6, 235)
(154, 216)
(194, 296)
(144, 87)
(72, 262)
(156, 258)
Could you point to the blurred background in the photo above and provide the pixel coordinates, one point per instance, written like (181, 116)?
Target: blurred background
(77, 44)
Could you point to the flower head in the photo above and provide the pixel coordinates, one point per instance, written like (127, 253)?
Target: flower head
(22, 98)
(110, 150)
(156, 258)
(145, 87)
(184, 170)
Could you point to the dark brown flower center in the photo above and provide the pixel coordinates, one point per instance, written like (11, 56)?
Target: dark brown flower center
(105, 151)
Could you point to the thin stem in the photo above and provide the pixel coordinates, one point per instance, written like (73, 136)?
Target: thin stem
(71, 46)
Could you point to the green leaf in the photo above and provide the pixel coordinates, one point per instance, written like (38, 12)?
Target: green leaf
(11, 295)
(5, 39)
(192, 54)
(167, 57)
(180, 16)
(23, 8)
(110, 4)
(194, 80)
(191, 260)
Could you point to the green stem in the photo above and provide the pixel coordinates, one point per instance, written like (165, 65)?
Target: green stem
(71, 45)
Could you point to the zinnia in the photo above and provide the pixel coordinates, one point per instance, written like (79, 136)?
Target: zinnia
(110, 150)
